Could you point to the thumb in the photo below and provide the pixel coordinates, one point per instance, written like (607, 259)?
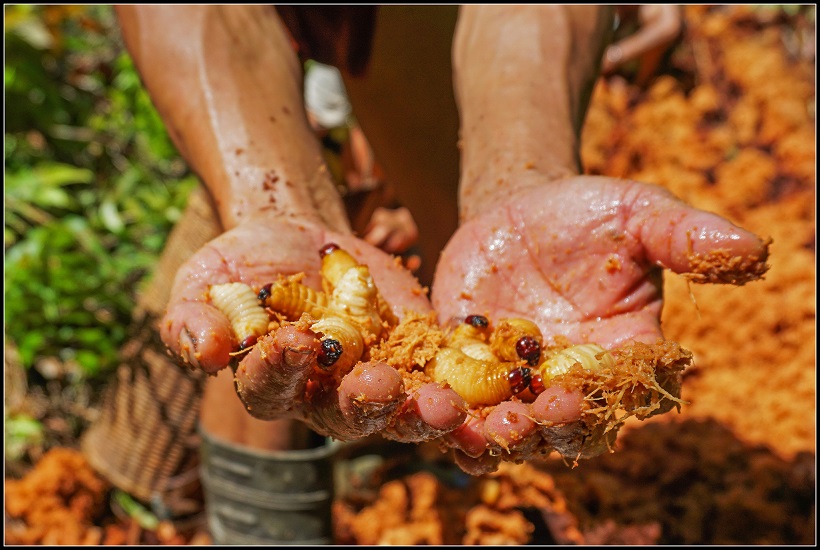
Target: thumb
(702, 245)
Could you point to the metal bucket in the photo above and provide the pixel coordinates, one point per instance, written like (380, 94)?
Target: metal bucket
(259, 497)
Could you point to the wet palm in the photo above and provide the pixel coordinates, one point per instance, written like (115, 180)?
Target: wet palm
(583, 258)
(274, 377)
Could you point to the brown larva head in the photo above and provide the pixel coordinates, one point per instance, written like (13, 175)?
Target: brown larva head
(477, 321)
(248, 342)
(330, 352)
(329, 248)
(537, 385)
(519, 379)
(264, 292)
(528, 349)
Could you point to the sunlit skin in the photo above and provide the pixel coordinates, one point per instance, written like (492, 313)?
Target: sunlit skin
(273, 377)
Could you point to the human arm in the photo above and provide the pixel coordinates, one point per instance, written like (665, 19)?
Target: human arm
(580, 255)
(660, 24)
(227, 83)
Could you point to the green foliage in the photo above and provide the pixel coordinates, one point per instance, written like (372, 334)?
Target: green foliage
(135, 510)
(93, 185)
(21, 431)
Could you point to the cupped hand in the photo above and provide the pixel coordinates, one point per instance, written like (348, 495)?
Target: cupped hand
(274, 378)
(391, 229)
(583, 258)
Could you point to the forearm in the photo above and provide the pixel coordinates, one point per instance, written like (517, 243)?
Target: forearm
(523, 78)
(227, 83)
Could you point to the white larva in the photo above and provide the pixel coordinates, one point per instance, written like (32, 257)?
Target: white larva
(591, 357)
(348, 335)
(241, 306)
(356, 297)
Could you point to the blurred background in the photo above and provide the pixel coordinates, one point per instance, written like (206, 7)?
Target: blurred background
(93, 185)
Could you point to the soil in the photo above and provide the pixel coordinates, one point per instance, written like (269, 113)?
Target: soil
(727, 123)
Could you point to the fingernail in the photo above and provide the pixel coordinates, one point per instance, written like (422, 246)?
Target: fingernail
(297, 357)
(187, 348)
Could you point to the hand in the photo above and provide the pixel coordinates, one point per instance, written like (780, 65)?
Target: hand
(583, 258)
(273, 379)
(660, 25)
(392, 229)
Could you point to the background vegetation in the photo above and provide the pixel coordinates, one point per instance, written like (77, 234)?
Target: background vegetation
(92, 187)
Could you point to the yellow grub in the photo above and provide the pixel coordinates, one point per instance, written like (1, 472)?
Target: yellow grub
(334, 266)
(480, 351)
(591, 357)
(508, 332)
(348, 335)
(241, 306)
(291, 298)
(465, 334)
(356, 297)
(477, 382)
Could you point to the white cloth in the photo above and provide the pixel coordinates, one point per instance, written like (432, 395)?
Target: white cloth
(325, 96)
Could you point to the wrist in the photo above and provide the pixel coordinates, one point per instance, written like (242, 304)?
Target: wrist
(250, 190)
(522, 96)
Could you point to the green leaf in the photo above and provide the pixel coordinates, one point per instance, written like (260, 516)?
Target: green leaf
(89, 361)
(22, 431)
(137, 511)
(110, 217)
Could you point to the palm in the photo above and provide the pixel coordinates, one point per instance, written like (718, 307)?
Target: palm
(274, 378)
(581, 257)
(256, 254)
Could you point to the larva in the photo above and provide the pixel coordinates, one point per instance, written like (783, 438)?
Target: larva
(240, 305)
(474, 330)
(291, 298)
(335, 263)
(515, 339)
(591, 357)
(477, 382)
(344, 335)
(355, 296)
(480, 351)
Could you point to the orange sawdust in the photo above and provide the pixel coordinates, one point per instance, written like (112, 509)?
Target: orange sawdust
(57, 502)
(721, 266)
(411, 344)
(420, 508)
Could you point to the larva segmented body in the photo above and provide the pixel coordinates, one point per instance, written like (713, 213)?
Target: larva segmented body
(480, 351)
(347, 335)
(240, 305)
(291, 298)
(335, 263)
(356, 297)
(477, 382)
(475, 329)
(591, 357)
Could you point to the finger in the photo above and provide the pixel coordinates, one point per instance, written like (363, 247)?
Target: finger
(273, 375)
(428, 412)
(510, 427)
(468, 438)
(484, 464)
(199, 335)
(557, 405)
(557, 411)
(376, 234)
(364, 403)
(398, 241)
(704, 245)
